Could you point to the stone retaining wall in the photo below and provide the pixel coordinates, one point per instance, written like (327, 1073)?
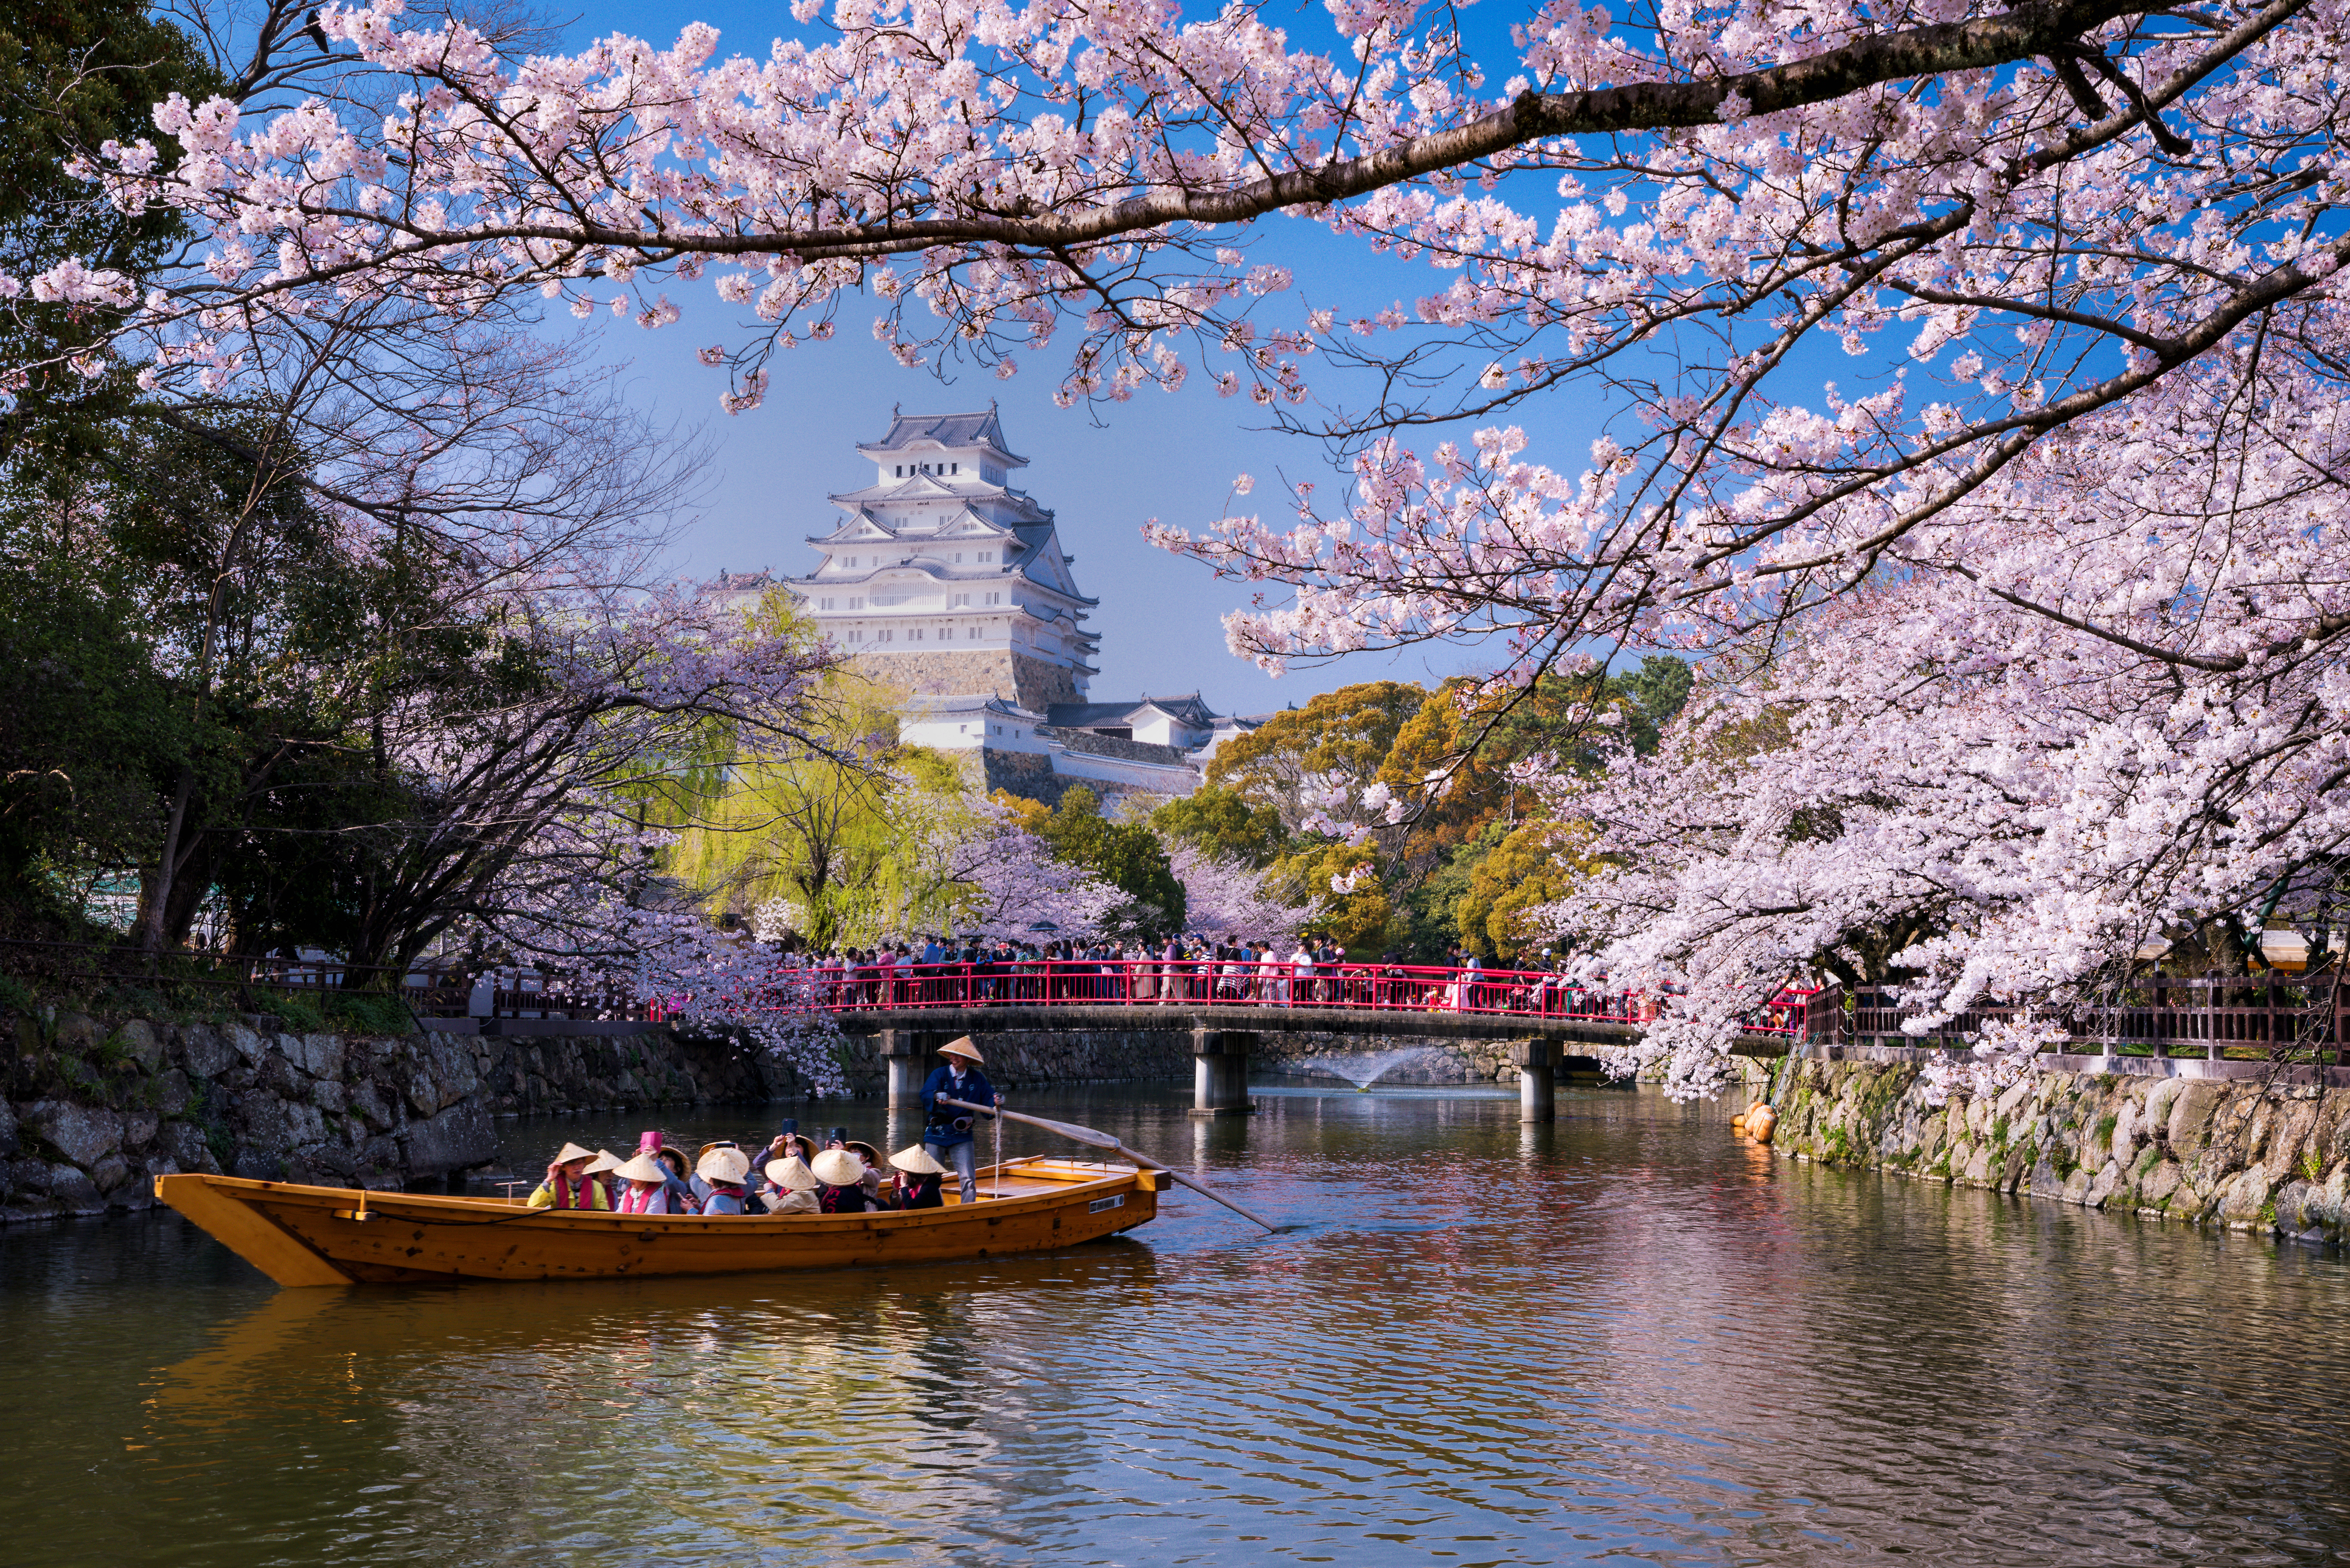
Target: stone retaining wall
(2268, 1153)
(94, 1109)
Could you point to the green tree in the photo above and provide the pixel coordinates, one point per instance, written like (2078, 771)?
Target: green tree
(1288, 763)
(1126, 855)
(1219, 821)
(1535, 864)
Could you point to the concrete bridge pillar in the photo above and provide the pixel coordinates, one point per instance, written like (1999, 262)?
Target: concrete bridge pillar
(1537, 1064)
(905, 1057)
(1220, 1071)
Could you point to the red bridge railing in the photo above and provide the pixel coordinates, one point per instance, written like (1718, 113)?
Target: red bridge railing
(1170, 982)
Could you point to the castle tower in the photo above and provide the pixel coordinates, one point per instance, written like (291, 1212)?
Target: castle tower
(946, 580)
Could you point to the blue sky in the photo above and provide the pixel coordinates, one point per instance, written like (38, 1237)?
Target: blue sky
(1104, 471)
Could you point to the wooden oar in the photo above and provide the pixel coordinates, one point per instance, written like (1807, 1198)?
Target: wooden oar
(1088, 1137)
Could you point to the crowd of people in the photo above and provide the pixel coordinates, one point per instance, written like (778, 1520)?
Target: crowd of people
(789, 1174)
(1181, 969)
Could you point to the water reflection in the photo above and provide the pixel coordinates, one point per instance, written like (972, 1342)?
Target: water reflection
(1621, 1338)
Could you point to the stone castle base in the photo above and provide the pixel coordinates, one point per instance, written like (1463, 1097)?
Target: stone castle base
(1033, 684)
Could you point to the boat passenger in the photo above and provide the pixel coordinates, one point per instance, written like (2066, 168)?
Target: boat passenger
(602, 1171)
(917, 1178)
(870, 1158)
(648, 1181)
(701, 1185)
(947, 1131)
(567, 1183)
(791, 1187)
(840, 1183)
(720, 1176)
(682, 1199)
(786, 1143)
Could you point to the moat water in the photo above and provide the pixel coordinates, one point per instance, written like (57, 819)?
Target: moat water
(1626, 1338)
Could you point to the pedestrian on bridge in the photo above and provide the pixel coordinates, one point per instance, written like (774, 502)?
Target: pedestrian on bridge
(947, 1132)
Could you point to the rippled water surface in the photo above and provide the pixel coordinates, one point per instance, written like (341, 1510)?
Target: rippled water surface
(1626, 1338)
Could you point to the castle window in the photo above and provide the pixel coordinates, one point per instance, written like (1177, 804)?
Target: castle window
(957, 467)
(987, 554)
(958, 558)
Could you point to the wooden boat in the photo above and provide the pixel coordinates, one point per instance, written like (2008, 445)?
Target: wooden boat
(337, 1236)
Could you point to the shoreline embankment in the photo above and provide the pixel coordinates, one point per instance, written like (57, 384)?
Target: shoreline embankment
(2250, 1146)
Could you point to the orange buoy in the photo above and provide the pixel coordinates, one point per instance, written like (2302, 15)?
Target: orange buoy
(1760, 1120)
(1738, 1123)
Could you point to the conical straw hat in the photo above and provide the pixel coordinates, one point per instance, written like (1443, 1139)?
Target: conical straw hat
(838, 1167)
(644, 1168)
(963, 1047)
(792, 1174)
(724, 1165)
(916, 1159)
(572, 1151)
(605, 1160)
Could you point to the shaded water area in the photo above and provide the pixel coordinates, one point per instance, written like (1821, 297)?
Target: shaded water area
(1625, 1338)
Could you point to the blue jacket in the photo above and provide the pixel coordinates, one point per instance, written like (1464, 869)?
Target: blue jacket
(943, 1125)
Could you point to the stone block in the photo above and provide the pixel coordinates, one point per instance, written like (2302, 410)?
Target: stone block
(320, 1055)
(456, 1139)
(190, 1150)
(2190, 1113)
(144, 1044)
(202, 1050)
(368, 1100)
(8, 1139)
(2244, 1199)
(2154, 1115)
(172, 1093)
(82, 1134)
(79, 1033)
(329, 1096)
(249, 1044)
(139, 1129)
(2156, 1185)
(112, 1176)
(258, 1165)
(75, 1192)
(28, 1176)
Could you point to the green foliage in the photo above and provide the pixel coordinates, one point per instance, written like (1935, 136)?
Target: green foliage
(1652, 697)
(74, 73)
(1223, 822)
(371, 1012)
(1348, 732)
(1126, 855)
(299, 1013)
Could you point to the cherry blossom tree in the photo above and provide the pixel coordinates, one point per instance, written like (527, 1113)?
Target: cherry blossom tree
(2044, 592)
(1004, 880)
(1224, 898)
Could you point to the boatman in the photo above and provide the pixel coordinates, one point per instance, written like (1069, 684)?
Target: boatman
(947, 1131)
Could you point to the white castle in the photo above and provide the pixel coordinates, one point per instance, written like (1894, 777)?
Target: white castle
(943, 579)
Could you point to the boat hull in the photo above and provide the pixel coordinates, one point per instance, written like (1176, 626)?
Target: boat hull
(303, 1236)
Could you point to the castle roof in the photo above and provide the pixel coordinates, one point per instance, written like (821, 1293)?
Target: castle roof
(907, 430)
(1187, 708)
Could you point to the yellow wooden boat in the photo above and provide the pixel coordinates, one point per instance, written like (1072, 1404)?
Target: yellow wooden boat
(337, 1236)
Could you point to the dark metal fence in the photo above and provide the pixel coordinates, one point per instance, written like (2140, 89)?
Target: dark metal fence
(2247, 1017)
